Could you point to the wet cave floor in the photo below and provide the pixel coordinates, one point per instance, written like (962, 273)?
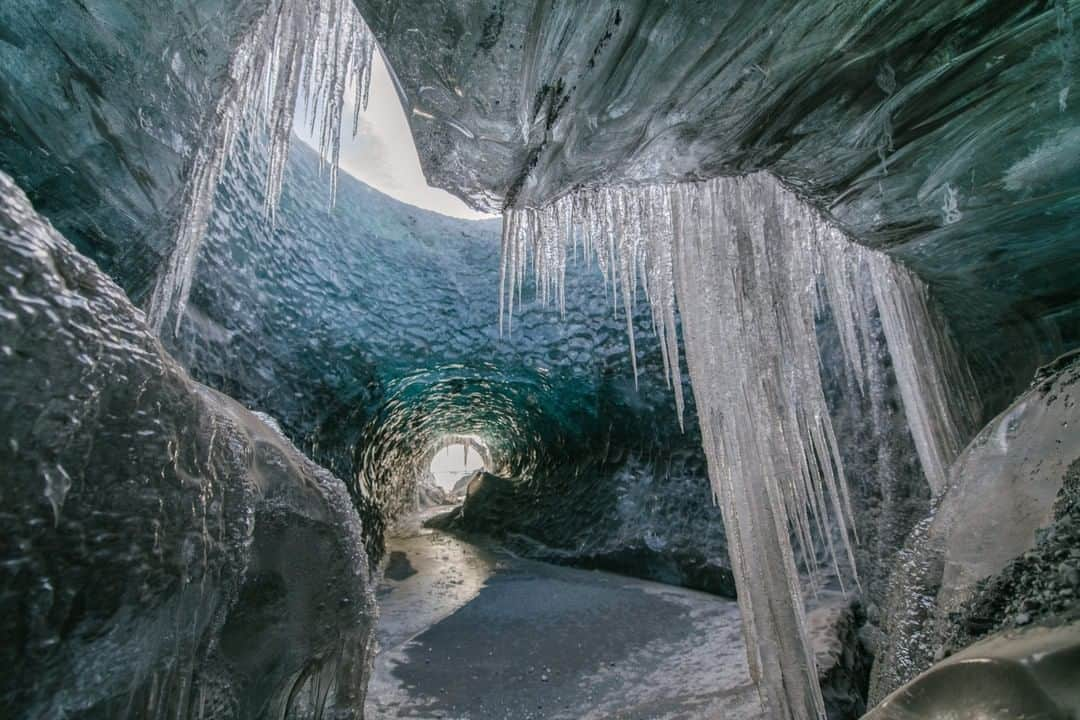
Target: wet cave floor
(473, 632)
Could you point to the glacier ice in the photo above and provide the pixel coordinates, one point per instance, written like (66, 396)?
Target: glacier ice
(163, 551)
(744, 264)
(800, 89)
(310, 49)
(939, 394)
(1017, 674)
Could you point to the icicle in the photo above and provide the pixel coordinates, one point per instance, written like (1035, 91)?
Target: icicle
(939, 394)
(296, 48)
(747, 264)
(283, 94)
(886, 80)
(841, 264)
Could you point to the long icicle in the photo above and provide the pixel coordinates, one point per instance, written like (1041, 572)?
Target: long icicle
(294, 49)
(744, 264)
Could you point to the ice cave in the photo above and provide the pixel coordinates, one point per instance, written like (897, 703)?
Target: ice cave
(515, 359)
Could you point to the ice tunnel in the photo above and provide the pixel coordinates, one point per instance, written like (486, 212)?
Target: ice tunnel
(768, 369)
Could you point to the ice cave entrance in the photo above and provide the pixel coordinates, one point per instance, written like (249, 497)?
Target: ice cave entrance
(453, 462)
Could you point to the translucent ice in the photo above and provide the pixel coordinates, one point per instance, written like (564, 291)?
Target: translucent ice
(747, 263)
(296, 48)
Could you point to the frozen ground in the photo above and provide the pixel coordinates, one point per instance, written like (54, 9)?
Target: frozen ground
(473, 633)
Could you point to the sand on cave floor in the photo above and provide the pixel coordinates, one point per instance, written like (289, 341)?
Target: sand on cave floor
(469, 632)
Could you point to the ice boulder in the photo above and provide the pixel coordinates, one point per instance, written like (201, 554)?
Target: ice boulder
(163, 551)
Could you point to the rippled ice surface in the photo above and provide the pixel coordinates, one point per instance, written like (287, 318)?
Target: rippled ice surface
(163, 550)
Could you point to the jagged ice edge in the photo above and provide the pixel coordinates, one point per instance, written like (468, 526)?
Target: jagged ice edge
(294, 49)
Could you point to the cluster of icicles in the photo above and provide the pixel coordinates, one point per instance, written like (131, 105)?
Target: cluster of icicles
(312, 49)
(745, 265)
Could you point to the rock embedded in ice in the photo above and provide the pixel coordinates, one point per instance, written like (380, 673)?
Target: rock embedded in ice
(1000, 494)
(843, 664)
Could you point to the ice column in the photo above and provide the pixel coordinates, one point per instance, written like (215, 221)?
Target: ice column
(296, 48)
(744, 269)
(746, 264)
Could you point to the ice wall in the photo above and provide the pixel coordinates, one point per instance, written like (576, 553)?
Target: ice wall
(747, 262)
(311, 49)
(163, 551)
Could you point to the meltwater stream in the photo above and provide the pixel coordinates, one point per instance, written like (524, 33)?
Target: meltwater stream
(473, 631)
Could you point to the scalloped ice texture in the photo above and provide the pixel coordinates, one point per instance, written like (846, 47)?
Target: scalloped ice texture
(314, 49)
(369, 333)
(163, 551)
(746, 261)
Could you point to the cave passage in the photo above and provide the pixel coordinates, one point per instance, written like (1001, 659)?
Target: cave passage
(728, 367)
(471, 630)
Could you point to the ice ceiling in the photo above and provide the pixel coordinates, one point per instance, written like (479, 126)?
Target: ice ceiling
(941, 131)
(944, 132)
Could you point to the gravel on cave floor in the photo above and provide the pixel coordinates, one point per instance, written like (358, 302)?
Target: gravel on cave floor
(474, 632)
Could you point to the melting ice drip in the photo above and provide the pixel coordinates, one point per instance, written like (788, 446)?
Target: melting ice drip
(296, 48)
(746, 264)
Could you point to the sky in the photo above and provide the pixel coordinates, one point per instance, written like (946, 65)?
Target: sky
(383, 154)
(449, 465)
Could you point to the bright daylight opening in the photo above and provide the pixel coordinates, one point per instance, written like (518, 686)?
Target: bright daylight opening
(383, 154)
(453, 462)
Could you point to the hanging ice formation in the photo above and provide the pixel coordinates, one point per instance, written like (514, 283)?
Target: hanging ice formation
(296, 48)
(939, 394)
(746, 264)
